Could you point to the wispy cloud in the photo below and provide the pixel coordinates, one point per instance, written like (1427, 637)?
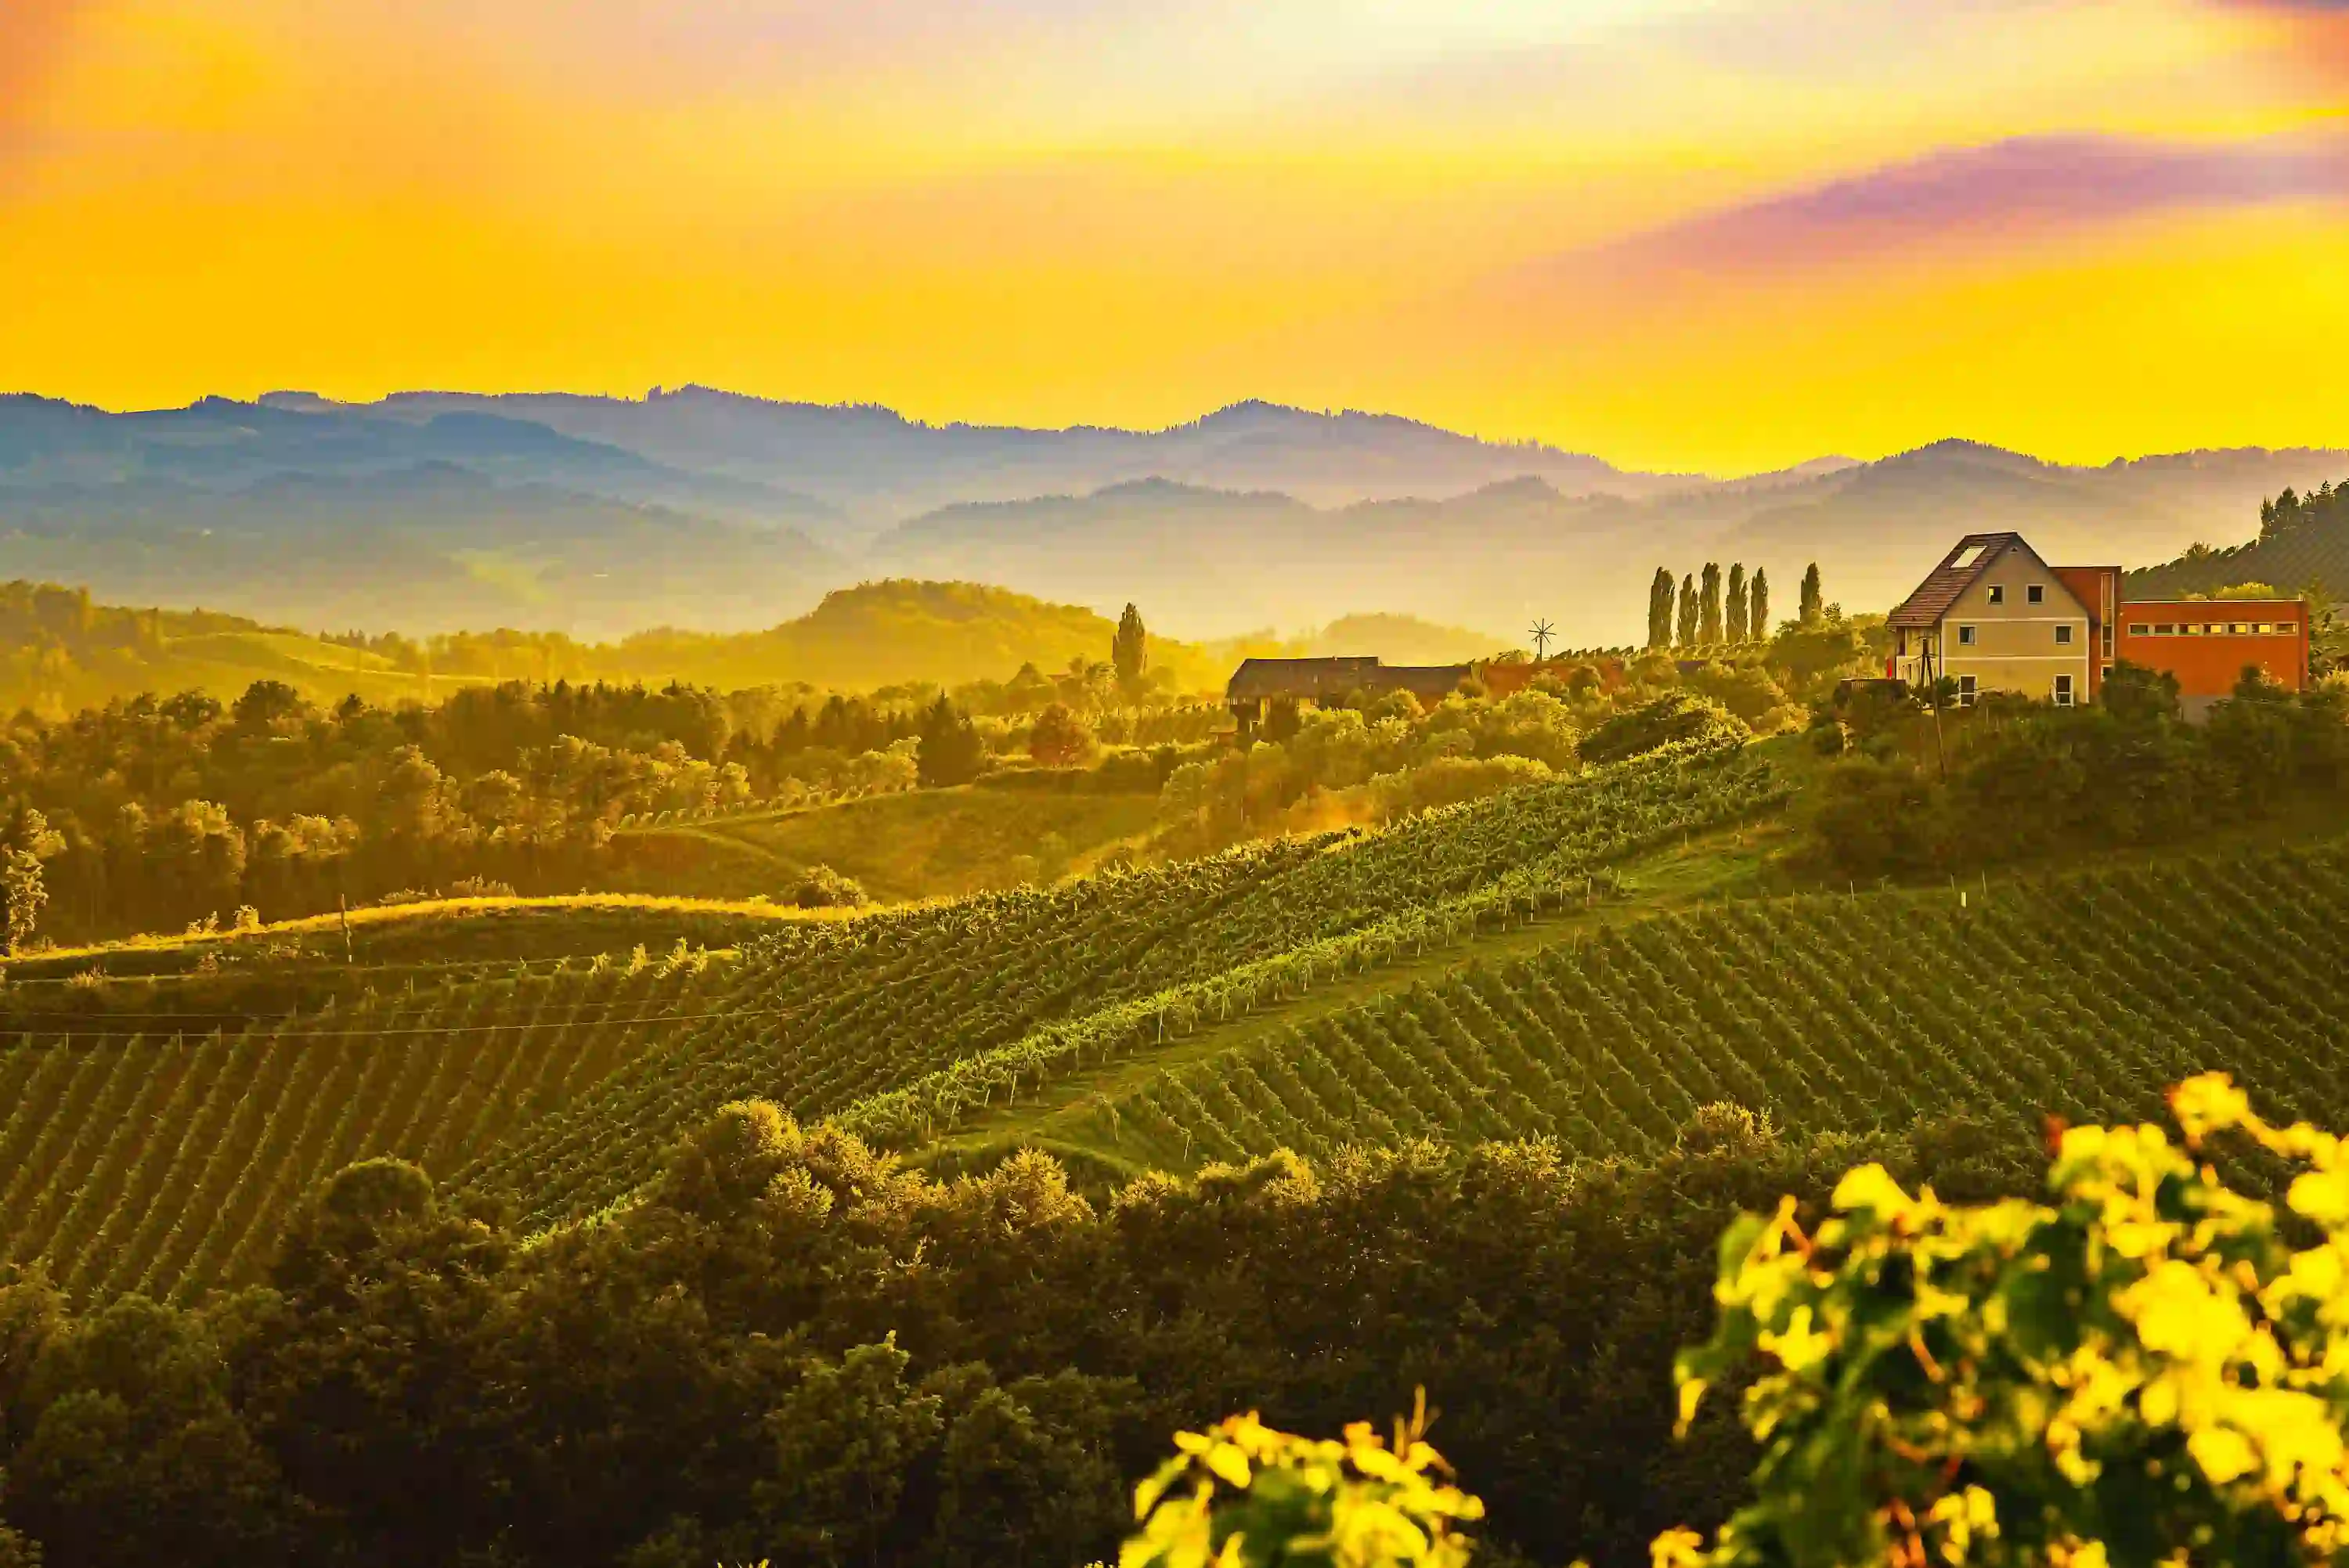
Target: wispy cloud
(1973, 198)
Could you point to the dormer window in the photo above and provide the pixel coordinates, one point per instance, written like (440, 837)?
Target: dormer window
(1998, 593)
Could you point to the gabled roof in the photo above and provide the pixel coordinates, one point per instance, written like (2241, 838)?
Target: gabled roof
(1966, 562)
(1320, 679)
(1297, 677)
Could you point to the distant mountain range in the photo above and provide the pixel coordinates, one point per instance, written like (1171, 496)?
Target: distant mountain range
(599, 516)
(1217, 561)
(875, 468)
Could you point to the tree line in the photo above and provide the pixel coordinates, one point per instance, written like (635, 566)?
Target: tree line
(1696, 614)
(151, 814)
(794, 1350)
(2323, 507)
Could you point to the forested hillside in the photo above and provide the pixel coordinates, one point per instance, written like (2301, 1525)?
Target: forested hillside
(2302, 546)
(61, 651)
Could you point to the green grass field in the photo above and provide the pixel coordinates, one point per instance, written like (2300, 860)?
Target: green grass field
(225, 663)
(929, 843)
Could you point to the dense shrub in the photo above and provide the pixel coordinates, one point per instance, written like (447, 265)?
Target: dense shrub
(823, 888)
(1677, 716)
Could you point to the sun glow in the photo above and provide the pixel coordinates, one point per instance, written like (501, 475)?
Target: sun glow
(1051, 212)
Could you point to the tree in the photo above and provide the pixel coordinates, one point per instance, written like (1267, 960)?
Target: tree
(191, 709)
(845, 1443)
(1059, 739)
(1130, 652)
(2136, 695)
(1737, 628)
(950, 747)
(1686, 627)
(265, 704)
(1708, 619)
(25, 893)
(31, 841)
(1757, 607)
(1660, 609)
(1814, 605)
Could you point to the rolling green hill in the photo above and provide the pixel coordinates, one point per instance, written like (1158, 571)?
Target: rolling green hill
(1589, 960)
(158, 1129)
(61, 651)
(1828, 1013)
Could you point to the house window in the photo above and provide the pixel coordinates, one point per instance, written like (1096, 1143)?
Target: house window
(1965, 691)
(1998, 593)
(2064, 636)
(1965, 636)
(2036, 594)
(2139, 629)
(2063, 691)
(2237, 628)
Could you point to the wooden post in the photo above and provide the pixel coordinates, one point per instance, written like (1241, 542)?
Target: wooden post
(343, 901)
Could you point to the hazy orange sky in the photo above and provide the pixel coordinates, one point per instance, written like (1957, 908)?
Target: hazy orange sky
(1723, 236)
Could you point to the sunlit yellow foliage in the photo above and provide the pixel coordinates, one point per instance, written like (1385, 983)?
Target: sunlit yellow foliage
(1242, 1495)
(2144, 1368)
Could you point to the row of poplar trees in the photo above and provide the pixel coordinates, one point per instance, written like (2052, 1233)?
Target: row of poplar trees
(1694, 615)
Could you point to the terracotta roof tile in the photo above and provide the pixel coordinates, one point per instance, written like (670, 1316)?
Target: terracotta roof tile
(1967, 561)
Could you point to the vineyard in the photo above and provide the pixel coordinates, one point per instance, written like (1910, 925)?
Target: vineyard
(159, 1150)
(2081, 996)
(153, 1144)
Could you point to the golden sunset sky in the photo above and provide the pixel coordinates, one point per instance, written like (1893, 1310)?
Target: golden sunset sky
(1718, 236)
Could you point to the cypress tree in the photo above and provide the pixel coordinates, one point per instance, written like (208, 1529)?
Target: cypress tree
(1708, 619)
(1660, 609)
(1814, 606)
(1687, 626)
(1758, 606)
(1737, 628)
(1129, 651)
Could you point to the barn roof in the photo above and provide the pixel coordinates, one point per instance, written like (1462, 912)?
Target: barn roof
(1317, 680)
(1967, 561)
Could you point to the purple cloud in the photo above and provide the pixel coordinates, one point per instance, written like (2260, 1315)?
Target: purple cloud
(1982, 195)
